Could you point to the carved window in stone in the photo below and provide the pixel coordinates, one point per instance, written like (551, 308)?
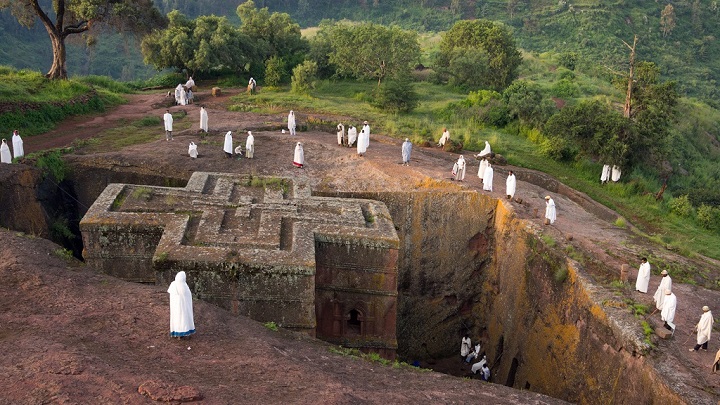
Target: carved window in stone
(354, 323)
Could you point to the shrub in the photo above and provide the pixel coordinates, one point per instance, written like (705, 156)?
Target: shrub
(708, 217)
(568, 60)
(681, 206)
(303, 78)
(274, 71)
(397, 95)
(564, 88)
(51, 163)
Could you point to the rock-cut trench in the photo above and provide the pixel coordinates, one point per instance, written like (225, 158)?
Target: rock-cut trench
(466, 264)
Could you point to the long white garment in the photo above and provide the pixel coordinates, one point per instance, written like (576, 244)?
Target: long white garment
(352, 135)
(605, 175)
(192, 150)
(227, 147)
(178, 89)
(444, 138)
(183, 97)
(167, 117)
(18, 149)
(668, 310)
(299, 158)
(659, 296)
(481, 169)
(181, 310)
(250, 145)
(643, 278)
(5, 156)
(366, 129)
(362, 142)
(488, 178)
(291, 123)
(203, 119)
(704, 328)
(460, 174)
(550, 212)
(615, 176)
(406, 150)
(478, 366)
(190, 83)
(340, 133)
(465, 346)
(486, 150)
(510, 185)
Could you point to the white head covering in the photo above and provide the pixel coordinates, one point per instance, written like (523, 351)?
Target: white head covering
(181, 312)
(228, 148)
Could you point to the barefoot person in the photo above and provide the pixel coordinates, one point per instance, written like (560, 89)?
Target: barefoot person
(668, 310)
(643, 278)
(181, 310)
(659, 296)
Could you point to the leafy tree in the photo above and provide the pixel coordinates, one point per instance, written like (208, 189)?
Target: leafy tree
(499, 61)
(201, 45)
(79, 16)
(397, 95)
(274, 71)
(526, 101)
(304, 77)
(320, 50)
(371, 51)
(275, 34)
(667, 20)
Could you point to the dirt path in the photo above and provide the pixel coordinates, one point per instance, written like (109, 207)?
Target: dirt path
(329, 166)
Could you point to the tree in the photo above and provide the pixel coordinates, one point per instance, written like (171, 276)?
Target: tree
(371, 51)
(667, 20)
(526, 101)
(79, 16)
(274, 71)
(397, 95)
(480, 37)
(304, 77)
(201, 45)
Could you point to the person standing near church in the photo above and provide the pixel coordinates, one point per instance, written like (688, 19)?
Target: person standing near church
(168, 119)
(299, 158)
(703, 329)
(291, 122)
(17, 142)
(250, 145)
(181, 308)
(203, 119)
(643, 277)
(228, 145)
(550, 213)
(510, 185)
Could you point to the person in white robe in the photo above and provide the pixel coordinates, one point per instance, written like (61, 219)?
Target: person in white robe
(250, 145)
(190, 97)
(340, 134)
(362, 142)
(668, 310)
(406, 151)
(460, 172)
(481, 169)
(178, 89)
(716, 363)
(486, 151)
(203, 119)
(605, 175)
(352, 136)
(5, 156)
(192, 150)
(183, 96)
(643, 277)
(181, 308)
(291, 122)
(465, 346)
(488, 178)
(366, 128)
(615, 174)
(190, 84)
(168, 120)
(17, 142)
(239, 151)
(299, 158)
(444, 138)
(550, 212)
(510, 184)
(252, 86)
(479, 365)
(703, 329)
(485, 372)
(228, 146)
(665, 284)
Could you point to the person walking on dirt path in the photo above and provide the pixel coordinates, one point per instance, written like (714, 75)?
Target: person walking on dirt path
(362, 142)
(168, 119)
(366, 128)
(203, 119)
(703, 328)
(643, 277)
(228, 146)
(510, 184)
(352, 136)
(299, 158)
(5, 156)
(17, 142)
(250, 145)
(550, 212)
(444, 138)
(659, 296)
(668, 310)
(181, 310)
(291, 123)
(406, 151)
(488, 178)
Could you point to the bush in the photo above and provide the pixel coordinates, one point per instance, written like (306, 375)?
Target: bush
(303, 78)
(564, 88)
(274, 71)
(681, 206)
(568, 60)
(708, 217)
(52, 163)
(396, 96)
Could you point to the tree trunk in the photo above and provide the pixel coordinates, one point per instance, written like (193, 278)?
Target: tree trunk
(57, 70)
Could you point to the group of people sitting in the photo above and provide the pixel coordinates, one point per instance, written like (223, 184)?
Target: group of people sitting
(476, 357)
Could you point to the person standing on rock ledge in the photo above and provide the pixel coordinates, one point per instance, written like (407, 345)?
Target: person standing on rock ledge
(5, 156)
(18, 150)
(406, 151)
(668, 310)
(168, 119)
(510, 184)
(703, 328)
(550, 213)
(181, 310)
(643, 277)
(659, 296)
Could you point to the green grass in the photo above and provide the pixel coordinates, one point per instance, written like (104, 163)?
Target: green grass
(271, 325)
